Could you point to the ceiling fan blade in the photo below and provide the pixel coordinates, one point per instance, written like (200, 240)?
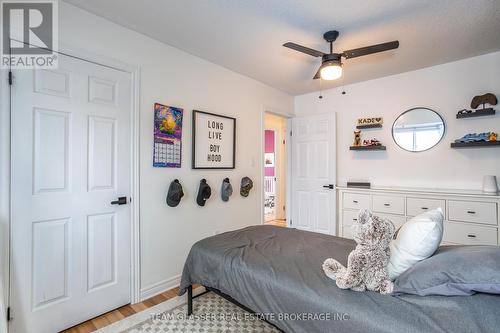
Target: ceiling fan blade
(370, 49)
(303, 49)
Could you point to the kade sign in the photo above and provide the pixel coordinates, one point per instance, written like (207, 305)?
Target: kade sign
(370, 121)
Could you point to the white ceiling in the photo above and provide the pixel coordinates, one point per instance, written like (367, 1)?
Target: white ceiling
(246, 35)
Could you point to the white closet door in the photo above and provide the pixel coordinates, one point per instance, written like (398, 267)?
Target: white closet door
(313, 173)
(71, 158)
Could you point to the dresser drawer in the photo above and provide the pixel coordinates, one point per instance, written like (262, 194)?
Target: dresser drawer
(397, 220)
(388, 204)
(356, 201)
(351, 217)
(461, 233)
(348, 219)
(472, 211)
(416, 206)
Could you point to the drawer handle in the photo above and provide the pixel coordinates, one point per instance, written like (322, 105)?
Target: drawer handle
(354, 219)
(387, 205)
(425, 208)
(355, 201)
(471, 212)
(471, 236)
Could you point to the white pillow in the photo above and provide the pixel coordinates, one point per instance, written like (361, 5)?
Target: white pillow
(416, 240)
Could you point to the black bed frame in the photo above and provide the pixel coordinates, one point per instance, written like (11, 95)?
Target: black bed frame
(225, 296)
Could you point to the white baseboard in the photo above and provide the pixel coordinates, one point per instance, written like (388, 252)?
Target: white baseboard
(159, 287)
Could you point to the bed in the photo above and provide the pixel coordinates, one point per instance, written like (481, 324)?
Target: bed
(275, 270)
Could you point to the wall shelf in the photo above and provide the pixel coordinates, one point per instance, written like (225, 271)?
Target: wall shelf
(477, 113)
(367, 148)
(478, 144)
(369, 126)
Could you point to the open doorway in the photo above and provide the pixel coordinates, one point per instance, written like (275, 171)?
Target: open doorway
(274, 169)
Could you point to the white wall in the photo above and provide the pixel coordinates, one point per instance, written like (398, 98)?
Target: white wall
(446, 89)
(170, 76)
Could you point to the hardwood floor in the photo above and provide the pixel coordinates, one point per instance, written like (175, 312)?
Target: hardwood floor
(123, 312)
(279, 223)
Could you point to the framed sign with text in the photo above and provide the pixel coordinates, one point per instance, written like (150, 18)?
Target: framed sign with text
(214, 141)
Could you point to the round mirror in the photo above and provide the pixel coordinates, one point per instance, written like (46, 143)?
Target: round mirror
(418, 129)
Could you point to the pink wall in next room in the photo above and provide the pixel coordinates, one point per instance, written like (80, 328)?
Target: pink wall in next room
(269, 148)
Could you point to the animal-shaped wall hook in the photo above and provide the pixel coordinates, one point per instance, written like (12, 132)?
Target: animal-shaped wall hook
(488, 98)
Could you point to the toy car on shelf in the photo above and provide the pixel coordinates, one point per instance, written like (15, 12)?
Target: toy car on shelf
(372, 142)
(475, 137)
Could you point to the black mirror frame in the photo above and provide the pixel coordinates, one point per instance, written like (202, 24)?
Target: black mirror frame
(416, 108)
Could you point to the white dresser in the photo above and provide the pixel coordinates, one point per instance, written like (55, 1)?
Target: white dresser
(471, 217)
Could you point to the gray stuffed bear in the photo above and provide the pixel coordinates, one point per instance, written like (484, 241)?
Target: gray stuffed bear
(367, 263)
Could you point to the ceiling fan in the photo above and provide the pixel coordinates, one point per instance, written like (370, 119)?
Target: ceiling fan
(331, 63)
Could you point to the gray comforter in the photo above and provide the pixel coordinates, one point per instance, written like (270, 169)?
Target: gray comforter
(277, 271)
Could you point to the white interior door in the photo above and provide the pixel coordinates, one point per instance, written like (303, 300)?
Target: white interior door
(71, 158)
(313, 173)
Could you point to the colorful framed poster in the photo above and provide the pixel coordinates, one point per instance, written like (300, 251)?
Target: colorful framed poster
(167, 150)
(214, 141)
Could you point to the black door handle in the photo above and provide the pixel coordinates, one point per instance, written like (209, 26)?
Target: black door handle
(120, 201)
(330, 186)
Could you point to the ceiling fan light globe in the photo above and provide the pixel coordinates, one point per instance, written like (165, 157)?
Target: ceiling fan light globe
(331, 72)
